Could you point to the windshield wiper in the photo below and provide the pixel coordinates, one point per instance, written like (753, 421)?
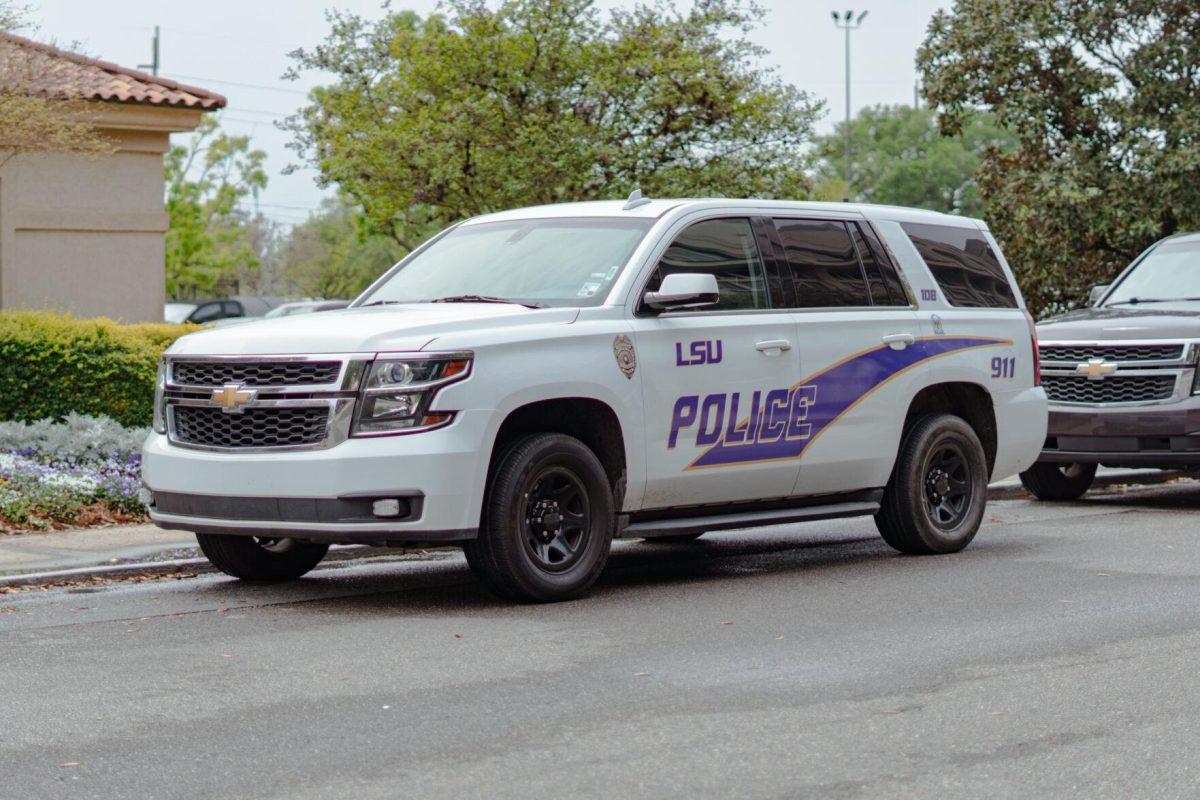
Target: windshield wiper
(482, 298)
(1134, 301)
(380, 303)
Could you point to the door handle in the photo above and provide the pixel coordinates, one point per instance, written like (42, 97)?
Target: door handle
(899, 341)
(773, 347)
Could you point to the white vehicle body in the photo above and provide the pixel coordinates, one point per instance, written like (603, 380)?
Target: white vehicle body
(702, 415)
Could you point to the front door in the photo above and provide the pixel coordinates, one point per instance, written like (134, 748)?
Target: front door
(719, 382)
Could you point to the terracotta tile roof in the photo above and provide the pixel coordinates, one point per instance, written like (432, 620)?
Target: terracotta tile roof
(49, 70)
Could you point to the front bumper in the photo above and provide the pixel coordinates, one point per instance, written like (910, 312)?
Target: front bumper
(327, 494)
(1165, 435)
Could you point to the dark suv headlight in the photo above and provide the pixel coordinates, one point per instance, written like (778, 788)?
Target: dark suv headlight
(397, 393)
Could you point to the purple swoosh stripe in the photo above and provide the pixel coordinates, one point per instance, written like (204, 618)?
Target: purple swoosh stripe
(837, 389)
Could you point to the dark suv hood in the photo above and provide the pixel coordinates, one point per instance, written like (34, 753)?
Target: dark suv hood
(1112, 324)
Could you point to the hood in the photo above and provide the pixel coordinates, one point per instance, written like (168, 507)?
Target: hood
(1124, 323)
(372, 329)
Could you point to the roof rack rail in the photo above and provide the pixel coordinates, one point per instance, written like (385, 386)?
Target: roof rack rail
(634, 200)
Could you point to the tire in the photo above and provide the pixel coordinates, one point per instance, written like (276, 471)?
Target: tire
(935, 499)
(1058, 481)
(683, 538)
(548, 521)
(261, 560)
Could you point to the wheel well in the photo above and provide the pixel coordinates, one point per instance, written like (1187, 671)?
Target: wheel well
(967, 400)
(590, 421)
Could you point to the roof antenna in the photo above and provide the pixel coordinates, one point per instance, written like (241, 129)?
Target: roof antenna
(634, 200)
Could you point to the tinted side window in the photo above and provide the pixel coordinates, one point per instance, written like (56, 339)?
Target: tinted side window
(723, 248)
(963, 264)
(206, 313)
(884, 283)
(824, 263)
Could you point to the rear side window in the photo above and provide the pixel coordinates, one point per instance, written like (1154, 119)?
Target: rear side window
(963, 264)
(724, 248)
(884, 283)
(823, 262)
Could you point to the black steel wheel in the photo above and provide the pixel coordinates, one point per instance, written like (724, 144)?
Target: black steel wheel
(1058, 481)
(947, 484)
(557, 514)
(935, 499)
(548, 521)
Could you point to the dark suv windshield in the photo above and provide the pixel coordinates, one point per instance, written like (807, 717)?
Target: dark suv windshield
(1170, 272)
(551, 262)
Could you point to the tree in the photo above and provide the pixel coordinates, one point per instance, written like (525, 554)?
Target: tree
(333, 255)
(900, 158)
(438, 118)
(33, 118)
(1103, 99)
(211, 240)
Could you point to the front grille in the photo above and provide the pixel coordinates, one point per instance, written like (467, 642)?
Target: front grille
(1117, 353)
(255, 373)
(254, 427)
(1114, 389)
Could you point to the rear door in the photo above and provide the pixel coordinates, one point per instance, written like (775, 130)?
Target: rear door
(717, 381)
(857, 338)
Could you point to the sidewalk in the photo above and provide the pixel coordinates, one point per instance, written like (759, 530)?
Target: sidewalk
(145, 545)
(89, 547)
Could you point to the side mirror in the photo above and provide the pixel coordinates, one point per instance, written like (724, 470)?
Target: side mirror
(1097, 292)
(684, 290)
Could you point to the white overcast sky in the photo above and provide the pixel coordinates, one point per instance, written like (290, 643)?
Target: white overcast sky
(239, 47)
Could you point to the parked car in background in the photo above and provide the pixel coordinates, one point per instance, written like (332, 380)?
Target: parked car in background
(1121, 376)
(305, 307)
(205, 312)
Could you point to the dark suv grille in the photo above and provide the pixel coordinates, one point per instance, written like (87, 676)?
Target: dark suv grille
(1114, 389)
(1122, 352)
(255, 373)
(255, 427)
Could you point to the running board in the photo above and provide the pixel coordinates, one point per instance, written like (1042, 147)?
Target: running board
(745, 519)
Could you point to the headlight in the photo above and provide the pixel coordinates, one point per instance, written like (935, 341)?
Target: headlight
(160, 391)
(397, 393)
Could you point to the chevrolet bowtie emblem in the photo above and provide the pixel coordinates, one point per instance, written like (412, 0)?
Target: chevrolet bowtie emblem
(231, 397)
(1096, 368)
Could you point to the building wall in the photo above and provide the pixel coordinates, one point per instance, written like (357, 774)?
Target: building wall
(86, 235)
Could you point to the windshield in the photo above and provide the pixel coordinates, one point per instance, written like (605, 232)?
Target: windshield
(552, 262)
(177, 312)
(1170, 271)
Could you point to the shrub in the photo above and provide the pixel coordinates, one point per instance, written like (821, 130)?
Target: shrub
(55, 364)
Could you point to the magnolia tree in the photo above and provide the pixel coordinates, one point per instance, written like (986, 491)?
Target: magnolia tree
(1103, 100)
(431, 119)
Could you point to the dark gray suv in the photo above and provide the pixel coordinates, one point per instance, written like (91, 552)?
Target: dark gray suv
(1121, 376)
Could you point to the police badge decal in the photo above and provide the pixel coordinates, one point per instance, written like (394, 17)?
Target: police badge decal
(625, 355)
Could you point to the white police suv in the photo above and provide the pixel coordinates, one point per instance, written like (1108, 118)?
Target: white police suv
(534, 383)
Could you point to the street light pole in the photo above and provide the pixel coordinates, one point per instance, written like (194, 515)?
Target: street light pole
(848, 23)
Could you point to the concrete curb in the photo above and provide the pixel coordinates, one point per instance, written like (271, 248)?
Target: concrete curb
(1011, 488)
(1008, 489)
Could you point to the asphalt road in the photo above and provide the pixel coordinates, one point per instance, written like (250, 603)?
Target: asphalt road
(1059, 656)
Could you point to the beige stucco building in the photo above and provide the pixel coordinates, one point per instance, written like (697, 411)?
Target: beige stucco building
(85, 234)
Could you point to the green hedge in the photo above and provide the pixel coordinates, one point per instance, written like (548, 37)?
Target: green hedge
(55, 364)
